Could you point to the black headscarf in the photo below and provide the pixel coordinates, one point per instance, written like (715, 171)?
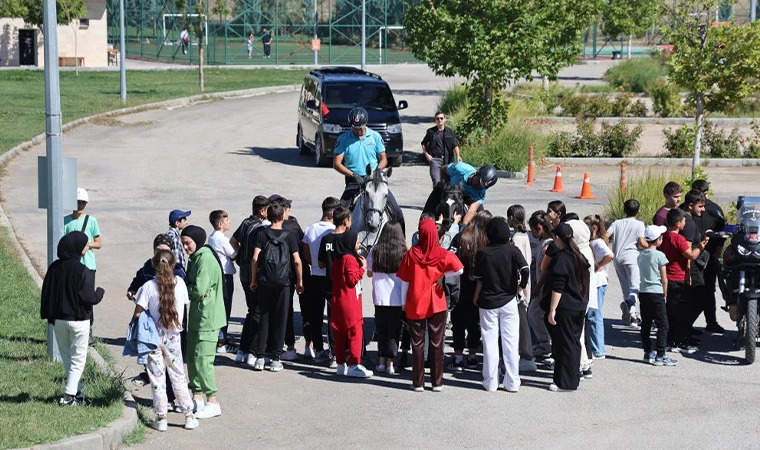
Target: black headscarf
(68, 291)
(497, 231)
(345, 244)
(197, 234)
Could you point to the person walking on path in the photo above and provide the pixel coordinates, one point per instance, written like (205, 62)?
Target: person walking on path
(68, 295)
(422, 270)
(164, 297)
(206, 317)
(440, 147)
(80, 221)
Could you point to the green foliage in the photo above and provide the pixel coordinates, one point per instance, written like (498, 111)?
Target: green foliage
(717, 143)
(32, 10)
(638, 109)
(453, 100)
(458, 38)
(507, 149)
(666, 99)
(628, 18)
(647, 189)
(613, 140)
(680, 143)
(636, 75)
(585, 106)
(722, 145)
(621, 104)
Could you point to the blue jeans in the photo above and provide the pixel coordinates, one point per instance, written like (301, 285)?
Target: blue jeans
(596, 322)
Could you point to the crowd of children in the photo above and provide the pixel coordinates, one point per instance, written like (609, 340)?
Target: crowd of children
(523, 291)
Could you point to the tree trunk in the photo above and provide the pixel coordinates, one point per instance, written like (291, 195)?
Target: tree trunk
(489, 105)
(545, 83)
(630, 41)
(695, 162)
(76, 48)
(200, 59)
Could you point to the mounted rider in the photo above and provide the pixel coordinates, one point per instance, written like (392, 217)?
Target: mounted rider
(356, 149)
(475, 183)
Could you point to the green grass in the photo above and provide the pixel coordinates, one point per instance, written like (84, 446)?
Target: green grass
(507, 148)
(636, 75)
(23, 116)
(29, 382)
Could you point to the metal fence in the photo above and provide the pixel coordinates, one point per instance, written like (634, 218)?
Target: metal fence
(154, 28)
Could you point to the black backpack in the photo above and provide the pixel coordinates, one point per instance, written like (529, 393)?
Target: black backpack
(245, 255)
(274, 261)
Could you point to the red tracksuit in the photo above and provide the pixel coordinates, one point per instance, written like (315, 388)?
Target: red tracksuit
(346, 318)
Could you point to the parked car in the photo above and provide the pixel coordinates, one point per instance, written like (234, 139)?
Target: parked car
(328, 94)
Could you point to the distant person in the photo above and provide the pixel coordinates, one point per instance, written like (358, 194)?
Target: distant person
(177, 223)
(87, 224)
(266, 41)
(249, 44)
(440, 147)
(68, 295)
(184, 38)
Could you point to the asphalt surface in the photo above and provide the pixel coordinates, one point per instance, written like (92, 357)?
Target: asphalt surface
(221, 154)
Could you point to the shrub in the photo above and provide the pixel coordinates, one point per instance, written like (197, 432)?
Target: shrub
(666, 100)
(617, 142)
(680, 143)
(614, 140)
(621, 104)
(453, 100)
(507, 149)
(581, 105)
(720, 145)
(636, 75)
(647, 189)
(753, 144)
(638, 109)
(562, 145)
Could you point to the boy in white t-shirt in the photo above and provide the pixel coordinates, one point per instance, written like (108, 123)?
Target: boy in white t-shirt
(220, 243)
(627, 233)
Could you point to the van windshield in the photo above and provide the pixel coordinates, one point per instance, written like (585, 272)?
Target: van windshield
(376, 97)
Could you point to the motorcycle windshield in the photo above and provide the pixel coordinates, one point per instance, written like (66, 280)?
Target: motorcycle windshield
(749, 218)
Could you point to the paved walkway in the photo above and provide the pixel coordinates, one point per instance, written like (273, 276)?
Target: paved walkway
(221, 154)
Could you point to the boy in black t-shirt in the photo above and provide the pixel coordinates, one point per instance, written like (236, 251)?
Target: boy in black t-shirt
(274, 300)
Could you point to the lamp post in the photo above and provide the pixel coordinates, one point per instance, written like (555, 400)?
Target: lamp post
(122, 55)
(364, 34)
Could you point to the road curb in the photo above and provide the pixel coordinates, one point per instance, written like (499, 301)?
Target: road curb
(112, 435)
(510, 174)
(667, 162)
(648, 120)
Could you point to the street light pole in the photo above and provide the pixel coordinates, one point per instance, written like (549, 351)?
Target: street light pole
(316, 18)
(364, 33)
(122, 55)
(752, 10)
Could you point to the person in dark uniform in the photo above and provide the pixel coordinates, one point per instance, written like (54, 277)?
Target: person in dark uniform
(266, 41)
(440, 147)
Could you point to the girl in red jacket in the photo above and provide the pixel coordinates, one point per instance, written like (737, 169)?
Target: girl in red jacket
(346, 319)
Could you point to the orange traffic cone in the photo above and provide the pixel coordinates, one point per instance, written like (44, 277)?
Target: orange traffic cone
(530, 166)
(586, 189)
(558, 187)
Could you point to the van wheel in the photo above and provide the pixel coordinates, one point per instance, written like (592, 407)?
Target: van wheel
(320, 159)
(396, 162)
(302, 148)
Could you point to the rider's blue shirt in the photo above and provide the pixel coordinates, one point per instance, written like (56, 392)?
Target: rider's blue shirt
(459, 173)
(357, 153)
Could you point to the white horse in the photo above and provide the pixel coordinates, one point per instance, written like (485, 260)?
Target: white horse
(370, 211)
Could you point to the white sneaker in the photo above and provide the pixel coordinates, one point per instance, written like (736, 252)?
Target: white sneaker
(198, 405)
(160, 424)
(333, 363)
(340, 369)
(191, 422)
(390, 370)
(554, 388)
(209, 411)
(527, 365)
(358, 371)
(241, 357)
(309, 353)
(289, 355)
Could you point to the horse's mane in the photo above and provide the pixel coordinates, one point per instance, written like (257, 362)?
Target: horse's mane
(376, 179)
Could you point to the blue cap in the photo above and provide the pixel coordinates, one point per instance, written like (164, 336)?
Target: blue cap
(177, 215)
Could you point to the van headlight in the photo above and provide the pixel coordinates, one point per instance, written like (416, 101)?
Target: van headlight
(395, 128)
(332, 128)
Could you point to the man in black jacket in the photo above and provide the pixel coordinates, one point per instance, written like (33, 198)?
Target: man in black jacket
(440, 147)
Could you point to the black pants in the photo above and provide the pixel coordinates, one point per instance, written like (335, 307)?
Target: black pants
(465, 318)
(708, 297)
(388, 329)
(652, 308)
(273, 307)
(267, 50)
(251, 324)
(290, 331)
(316, 299)
(689, 308)
(229, 289)
(676, 290)
(566, 347)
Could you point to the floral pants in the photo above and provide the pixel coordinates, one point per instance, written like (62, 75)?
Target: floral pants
(167, 359)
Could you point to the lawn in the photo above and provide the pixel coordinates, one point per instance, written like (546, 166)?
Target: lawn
(23, 116)
(29, 381)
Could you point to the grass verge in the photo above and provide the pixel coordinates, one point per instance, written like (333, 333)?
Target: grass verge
(96, 92)
(30, 383)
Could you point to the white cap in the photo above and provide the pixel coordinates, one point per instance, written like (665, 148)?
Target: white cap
(653, 232)
(82, 195)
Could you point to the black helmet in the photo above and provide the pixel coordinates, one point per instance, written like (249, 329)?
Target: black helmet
(487, 175)
(358, 117)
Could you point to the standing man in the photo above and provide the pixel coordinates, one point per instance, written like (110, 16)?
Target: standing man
(184, 38)
(440, 147)
(79, 221)
(266, 40)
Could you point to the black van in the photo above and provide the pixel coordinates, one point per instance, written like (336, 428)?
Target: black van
(328, 94)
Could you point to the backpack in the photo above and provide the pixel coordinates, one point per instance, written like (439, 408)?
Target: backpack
(274, 261)
(245, 255)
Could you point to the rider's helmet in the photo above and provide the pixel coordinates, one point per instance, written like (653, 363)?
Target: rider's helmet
(358, 117)
(487, 175)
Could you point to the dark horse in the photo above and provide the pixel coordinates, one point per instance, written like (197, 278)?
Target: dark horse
(446, 199)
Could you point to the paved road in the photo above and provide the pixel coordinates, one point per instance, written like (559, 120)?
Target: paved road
(221, 154)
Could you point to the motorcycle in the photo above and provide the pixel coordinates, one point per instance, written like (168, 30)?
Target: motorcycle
(740, 273)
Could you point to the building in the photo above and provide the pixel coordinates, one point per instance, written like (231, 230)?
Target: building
(87, 37)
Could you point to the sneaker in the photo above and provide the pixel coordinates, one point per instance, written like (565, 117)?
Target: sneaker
(322, 357)
(198, 406)
(650, 357)
(390, 370)
(547, 363)
(275, 365)
(665, 361)
(333, 363)
(68, 401)
(554, 388)
(380, 368)
(191, 422)
(309, 353)
(209, 411)
(141, 380)
(528, 365)
(241, 357)
(586, 374)
(358, 371)
(472, 363)
(160, 424)
(626, 316)
(289, 355)
(438, 388)
(598, 356)
(635, 323)
(258, 363)
(227, 348)
(418, 389)
(456, 365)
(686, 349)
(79, 396)
(714, 328)
(541, 350)
(340, 369)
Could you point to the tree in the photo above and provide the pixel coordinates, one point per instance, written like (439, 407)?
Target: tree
(717, 65)
(32, 13)
(465, 38)
(13, 8)
(196, 26)
(628, 18)
(70, 11)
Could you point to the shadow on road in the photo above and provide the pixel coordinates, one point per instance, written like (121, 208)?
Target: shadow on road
(415, 120)
(401, 92)
(282, 155)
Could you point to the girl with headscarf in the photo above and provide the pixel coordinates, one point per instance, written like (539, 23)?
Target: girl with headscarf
(346, 318)
(422, 272)
(68, 294)
(206, 317)
(501, 272)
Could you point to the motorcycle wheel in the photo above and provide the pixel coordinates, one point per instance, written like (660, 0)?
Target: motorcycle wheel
(751, 331)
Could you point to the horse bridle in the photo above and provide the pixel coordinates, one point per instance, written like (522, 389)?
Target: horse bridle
(366, 209)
